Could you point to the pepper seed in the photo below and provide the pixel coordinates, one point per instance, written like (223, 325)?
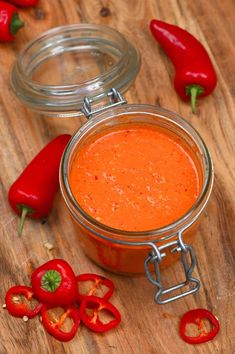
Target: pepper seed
(15, 299)
(48, 246)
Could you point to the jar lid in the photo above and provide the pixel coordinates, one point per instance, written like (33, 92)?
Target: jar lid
(54, 72)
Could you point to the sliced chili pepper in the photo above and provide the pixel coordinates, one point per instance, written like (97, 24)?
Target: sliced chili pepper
(196, 317)
(194, 72)
(33, 193)
(95, 305)
(97, 282)
(54, 283)
(54, 326)
(10, 22)
(18, 308)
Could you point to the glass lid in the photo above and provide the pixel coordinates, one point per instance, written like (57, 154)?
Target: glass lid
(54, 72)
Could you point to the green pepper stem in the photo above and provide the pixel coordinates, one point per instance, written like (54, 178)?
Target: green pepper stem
(193, 95)
(51, 280)
(194, 91)
(16, 23)
(24, 212)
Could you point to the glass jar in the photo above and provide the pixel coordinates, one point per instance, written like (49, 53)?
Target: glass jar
(135, 252)
(67, 72)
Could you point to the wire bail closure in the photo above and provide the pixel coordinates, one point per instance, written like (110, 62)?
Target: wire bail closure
(155, 257)
(115, 98)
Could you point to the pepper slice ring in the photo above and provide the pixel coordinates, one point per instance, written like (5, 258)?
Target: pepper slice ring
(98, 281)
(93, 321)
(196, 317)
(19, 308)
(54, 328)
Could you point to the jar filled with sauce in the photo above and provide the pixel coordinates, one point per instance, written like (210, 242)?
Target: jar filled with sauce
(135, 178)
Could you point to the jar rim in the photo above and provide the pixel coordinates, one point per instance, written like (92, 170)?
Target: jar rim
(66, 97)
(181, 223)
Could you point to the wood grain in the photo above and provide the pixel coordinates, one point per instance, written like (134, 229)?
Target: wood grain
(146, 328)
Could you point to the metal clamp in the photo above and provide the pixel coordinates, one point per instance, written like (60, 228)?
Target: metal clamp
(115, 98)
(155, 257)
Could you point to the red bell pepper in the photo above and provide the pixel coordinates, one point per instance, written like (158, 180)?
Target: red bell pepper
(53, 326)
(54, 283)
(24, 3)
(10, 22)
(196, 317)
(32, 194)
(92, 320)
(195, 76)
(18, 308)
(98, 282)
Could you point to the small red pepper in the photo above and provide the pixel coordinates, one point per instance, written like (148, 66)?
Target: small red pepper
(54, 283)
(196, 317)
(32, 194)
(96, 305)
(53, 326)
(18, 308)
(10, 22)
(98, 282)
(195, 76)
(24, 3)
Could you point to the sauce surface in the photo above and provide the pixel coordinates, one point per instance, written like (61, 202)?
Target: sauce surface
(135, 178)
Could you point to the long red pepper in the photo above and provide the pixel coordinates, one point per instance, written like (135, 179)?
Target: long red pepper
(32, 194)
(195, 76)
(10, 22)
(24, 3)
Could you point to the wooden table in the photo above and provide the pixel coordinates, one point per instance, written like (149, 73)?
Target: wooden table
(146, 327)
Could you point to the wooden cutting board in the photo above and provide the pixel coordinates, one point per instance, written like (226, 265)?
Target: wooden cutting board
(146, 327)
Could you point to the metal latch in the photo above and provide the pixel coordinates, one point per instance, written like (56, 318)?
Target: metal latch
(155, 257)
(115, 98)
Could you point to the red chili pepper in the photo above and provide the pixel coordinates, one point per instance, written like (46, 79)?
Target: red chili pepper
(54, 283)
(24, 3)
(96, 305)
(18, 308)
(98, 282)
(32, 194)
(53, 326)
(10, 22)
(196, 317)
(194, 72)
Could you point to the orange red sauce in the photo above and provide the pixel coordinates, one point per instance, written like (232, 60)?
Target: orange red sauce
(135, 178)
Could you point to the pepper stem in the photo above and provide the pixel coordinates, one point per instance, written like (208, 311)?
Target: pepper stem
(16, 24)
(194, 91)
(24, 212)
(51, 280)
